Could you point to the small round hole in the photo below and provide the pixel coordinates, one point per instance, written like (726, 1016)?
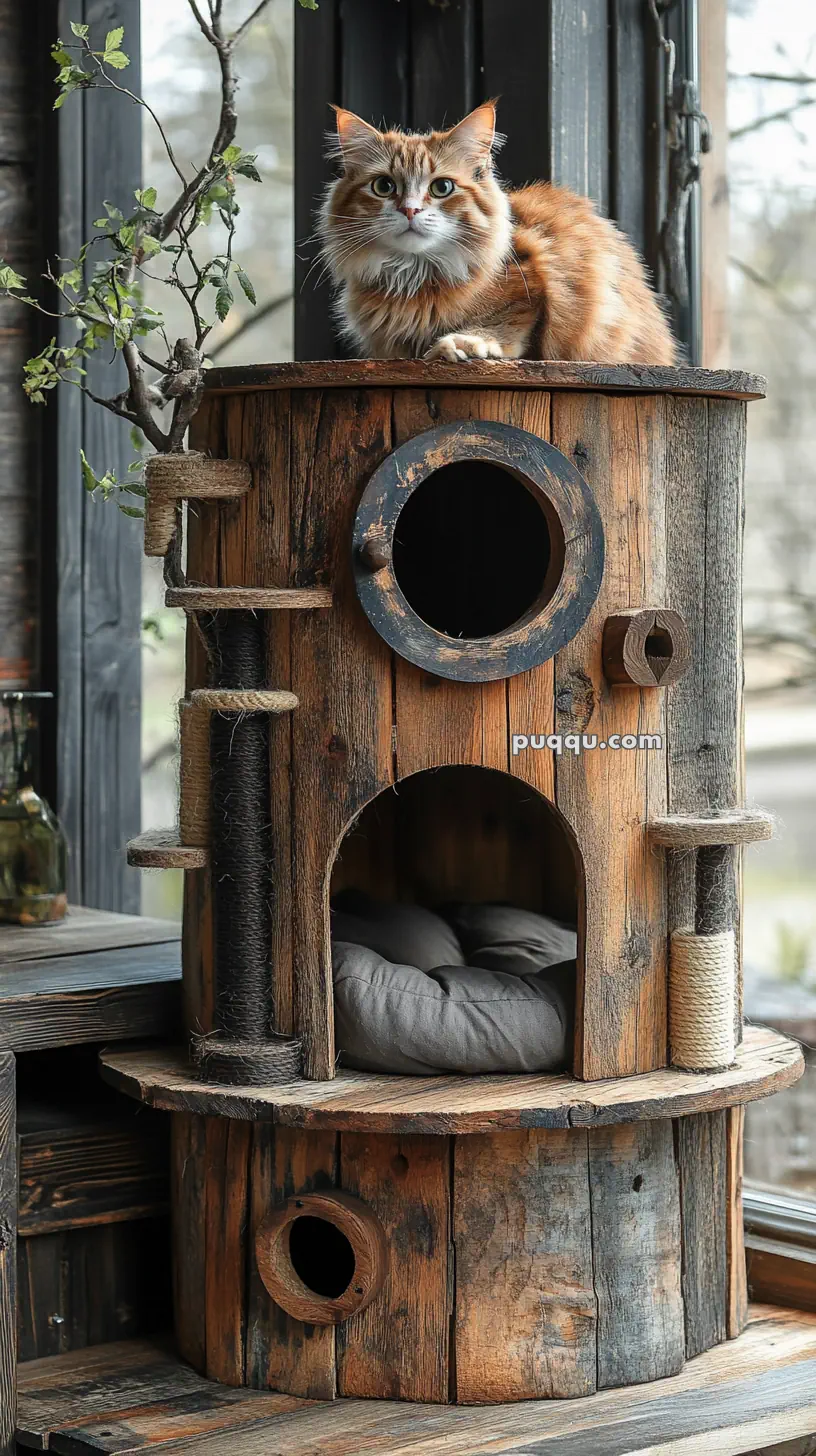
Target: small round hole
(321, 1255)
(471, 550)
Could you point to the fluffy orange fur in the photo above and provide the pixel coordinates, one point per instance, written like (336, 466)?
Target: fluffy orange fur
(433, 258)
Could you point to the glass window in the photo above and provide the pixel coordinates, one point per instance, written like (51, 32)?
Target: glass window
(772, 297)
(180, 81)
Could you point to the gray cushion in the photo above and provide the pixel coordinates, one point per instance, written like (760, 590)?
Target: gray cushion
(518, 942)
(396, 932)
(397, 1018)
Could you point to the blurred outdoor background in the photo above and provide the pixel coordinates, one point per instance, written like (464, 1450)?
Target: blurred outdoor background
(767, 325)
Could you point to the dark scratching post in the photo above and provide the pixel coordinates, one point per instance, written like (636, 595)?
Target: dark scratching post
(714, 895)
(244, 1048)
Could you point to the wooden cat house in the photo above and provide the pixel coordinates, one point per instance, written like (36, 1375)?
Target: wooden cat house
(425, 584)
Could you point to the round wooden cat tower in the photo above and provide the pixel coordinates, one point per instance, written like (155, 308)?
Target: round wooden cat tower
(409, 570)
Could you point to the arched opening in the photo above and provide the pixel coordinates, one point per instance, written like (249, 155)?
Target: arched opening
(464, 836)
(473, 549)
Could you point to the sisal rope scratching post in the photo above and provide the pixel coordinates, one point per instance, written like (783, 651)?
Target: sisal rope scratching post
(194, 774)
(243, 1048)
(170, 479)
(703, 970)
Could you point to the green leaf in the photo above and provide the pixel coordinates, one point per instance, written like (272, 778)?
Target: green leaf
(89, 479)
(309, 4)
(10, 279)
(247, 285)
(135, 511)
(127, 235)
(60, 55)
(117, 59)
(112, 211)
(59, 101)
(114, 38)
(133, 487)
(231, 154)
(223, 300)
(80, 30)
(247, 168)
(137, 441)
(148, 197)
(150, 246)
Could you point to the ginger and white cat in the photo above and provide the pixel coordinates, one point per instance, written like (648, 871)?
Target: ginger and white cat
(433, 258)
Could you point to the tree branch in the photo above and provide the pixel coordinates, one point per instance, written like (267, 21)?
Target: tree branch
(784, 115)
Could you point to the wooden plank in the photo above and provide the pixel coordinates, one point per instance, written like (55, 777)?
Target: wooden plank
(81, 931)
(112, 575)
(94, 1173)
(636, 1257)
(316, 85)
(8, 1255)
(188, 1153)
(399, 1346)
(191, 1416)
(225, 1213)
(88, 1285)
(110, 996)
(373, 73)
(782, 1273)
(282, 1351)
(756, 1390)
(735, 1228)
(713, 21)
(579, 97)
(341, 744)
(628, 120)
(493, 373)
(619, 446)
(705, 455)
(163, 849)
(701, 1161)
(365, 1102)
(518, 75)
(443, 62)
(525, 1302)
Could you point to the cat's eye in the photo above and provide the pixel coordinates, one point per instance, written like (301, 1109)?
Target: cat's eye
(441, 187)
(383, 187)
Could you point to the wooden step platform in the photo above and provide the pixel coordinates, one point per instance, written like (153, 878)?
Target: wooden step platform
(135, 1396)
(766, 1062)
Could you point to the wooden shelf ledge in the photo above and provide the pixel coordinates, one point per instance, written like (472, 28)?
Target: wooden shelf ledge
(748, 1393)
(364, 1102)
(246, 598)
(690, 831)
(161, 849)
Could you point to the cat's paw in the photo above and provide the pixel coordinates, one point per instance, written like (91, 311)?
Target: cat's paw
(456, 347)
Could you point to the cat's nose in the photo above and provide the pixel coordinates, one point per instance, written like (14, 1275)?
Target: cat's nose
(409, 212)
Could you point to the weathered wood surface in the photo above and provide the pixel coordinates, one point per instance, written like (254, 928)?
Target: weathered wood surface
(251, 598)
(490, 374)
(690, 831)
(82, 930)
(110, 995)
(619, 445)
(701, 1160)
(282, 1352)
(398, 1347)
(735, 1231)
(359, 1101)
(745, 1394)
(636, 1253)
(342, 675)
(525, 1325)
(162, 849)
(84, 1286)
(81, 1172)
(8, 1255)
(627, 655)
(226, 1193)
(704, 461)
(188, 1151)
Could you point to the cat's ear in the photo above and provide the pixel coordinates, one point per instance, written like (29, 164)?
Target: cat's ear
(354, 136)
(476, 136)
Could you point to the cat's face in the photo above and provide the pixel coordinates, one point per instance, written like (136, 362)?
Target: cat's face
(407, 206)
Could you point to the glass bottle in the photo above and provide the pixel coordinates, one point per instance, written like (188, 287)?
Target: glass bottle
(32, 844)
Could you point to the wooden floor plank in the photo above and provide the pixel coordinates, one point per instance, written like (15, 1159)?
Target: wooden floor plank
(749, 1392)
(83, 930)
(364, 1102)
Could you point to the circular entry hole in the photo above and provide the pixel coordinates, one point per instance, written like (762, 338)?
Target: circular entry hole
(321, 1256)
(472, 550)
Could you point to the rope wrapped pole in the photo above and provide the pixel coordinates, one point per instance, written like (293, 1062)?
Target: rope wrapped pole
(703, 970)
(243, 1049)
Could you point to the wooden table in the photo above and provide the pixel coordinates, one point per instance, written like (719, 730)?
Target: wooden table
(93, 977)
